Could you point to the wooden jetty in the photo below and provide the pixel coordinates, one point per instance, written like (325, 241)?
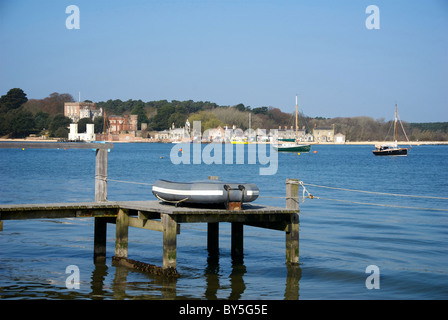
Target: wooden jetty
(158, 216)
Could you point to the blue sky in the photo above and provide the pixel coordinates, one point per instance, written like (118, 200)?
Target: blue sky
(255, 52)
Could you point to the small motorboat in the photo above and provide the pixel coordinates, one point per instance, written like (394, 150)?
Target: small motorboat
(390, 150)
(204, 192)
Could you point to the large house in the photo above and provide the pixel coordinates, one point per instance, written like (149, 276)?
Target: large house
(118, 124)
(80, 110)
(323, 134)
(290, 133)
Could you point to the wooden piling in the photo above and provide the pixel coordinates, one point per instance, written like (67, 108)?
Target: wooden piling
(237, 241)
(99, 241)
(121, 234)
(101, 175)
(213, 233)
(213, 238)
(169, 241)
(100, 232)
(292, 229)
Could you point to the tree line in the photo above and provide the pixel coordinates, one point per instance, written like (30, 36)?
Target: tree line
(20, 117)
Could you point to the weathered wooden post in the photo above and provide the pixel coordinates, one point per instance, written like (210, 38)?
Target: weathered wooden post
(213, 233)
(292, 230)
(99, 243)
(237, 241)
(121, 234)
(100, 233)
(101, 175)
(169, 241)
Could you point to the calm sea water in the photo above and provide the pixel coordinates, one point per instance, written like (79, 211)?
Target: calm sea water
(338, 240)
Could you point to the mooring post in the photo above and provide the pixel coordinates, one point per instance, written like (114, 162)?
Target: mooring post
(213, 238)
(101, 175)
(99, 243)
(292, 230)
(100, 233)
(169, 241)
(237, 241)
(213, 233)
(121, 234)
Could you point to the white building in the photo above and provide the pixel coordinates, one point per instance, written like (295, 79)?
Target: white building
(88, 136)
(80, 110)
(339, 138)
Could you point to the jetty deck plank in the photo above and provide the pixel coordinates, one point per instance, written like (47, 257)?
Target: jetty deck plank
(58, 210)
(94, 209)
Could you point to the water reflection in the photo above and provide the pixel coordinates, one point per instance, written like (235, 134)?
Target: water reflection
(165, 288)
(212, 276)
(292, 282)
(98, 276)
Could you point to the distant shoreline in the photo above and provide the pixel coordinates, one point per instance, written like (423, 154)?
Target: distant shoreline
(412, 143)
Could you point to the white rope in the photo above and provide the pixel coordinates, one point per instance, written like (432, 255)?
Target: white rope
(146, 184)
(373, 192)
(381, 205)
(170, 201)
(310, 196)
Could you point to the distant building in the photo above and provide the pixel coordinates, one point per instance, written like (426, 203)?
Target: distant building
(261, 135)
(215, 134)
(88, 136)
(290, 133)
(339, 138)
(80, 110)
(162, 135)
(180, 134)
(323, 134)
(118, 124)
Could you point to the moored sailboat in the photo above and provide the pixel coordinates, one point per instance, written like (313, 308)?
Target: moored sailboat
(287, 146)
(392, 149)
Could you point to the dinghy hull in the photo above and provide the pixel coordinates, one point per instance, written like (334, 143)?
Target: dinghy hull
(206, 191)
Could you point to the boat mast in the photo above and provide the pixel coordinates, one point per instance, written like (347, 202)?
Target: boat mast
(296, 119)
(396, 127)
(104, 125)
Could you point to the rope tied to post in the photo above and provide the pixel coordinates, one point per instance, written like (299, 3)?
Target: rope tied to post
(310, 196)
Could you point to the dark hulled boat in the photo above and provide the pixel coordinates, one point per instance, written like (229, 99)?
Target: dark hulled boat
(392, 149)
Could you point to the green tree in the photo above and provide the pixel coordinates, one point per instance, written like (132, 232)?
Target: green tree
(161, 120)
(42, 120)
(61, 132)
(262, 110)
(240, 107)
(22, 124)
(178, 119)
(98, 124)
(82, 124)
(14, 99)
(139, 110)
(207, 118)
(59, 121)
